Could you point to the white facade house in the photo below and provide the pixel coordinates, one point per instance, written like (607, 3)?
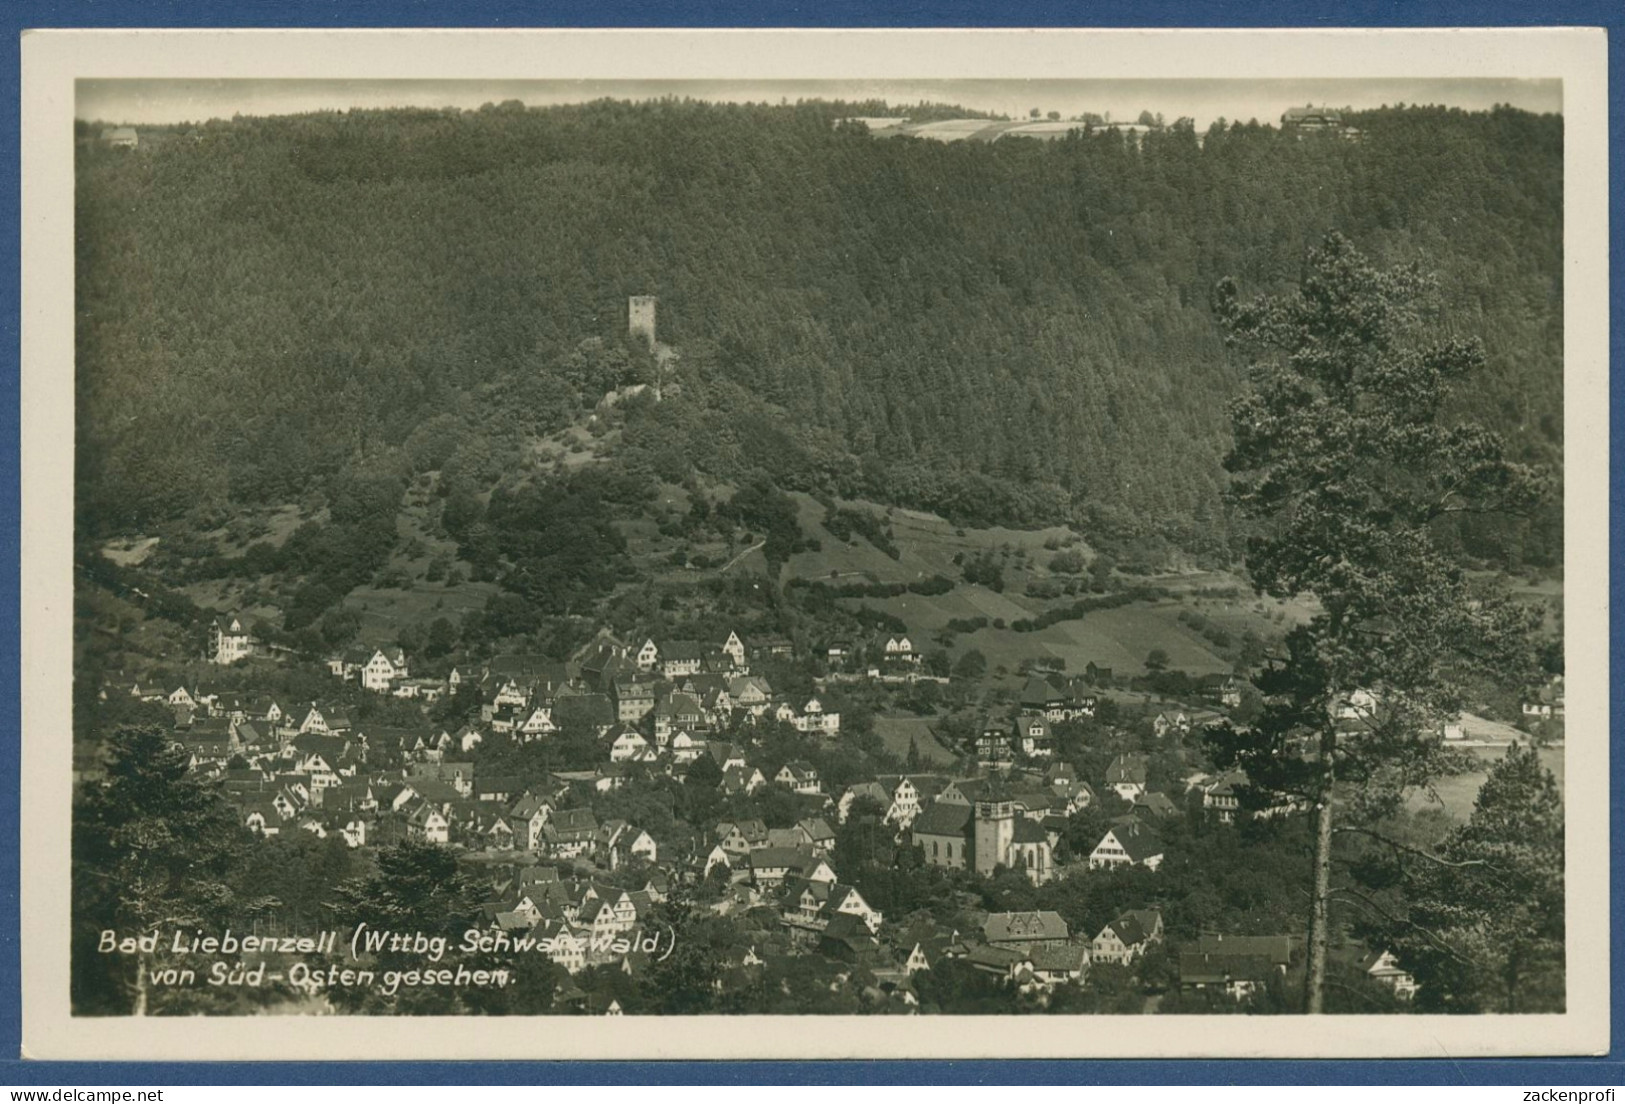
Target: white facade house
(811, 718)
(901, 648)
(381, 672)
(229, 640)
(629, 745)
(1126, 846)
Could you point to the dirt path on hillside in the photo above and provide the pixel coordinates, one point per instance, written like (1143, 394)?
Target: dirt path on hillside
(741, 556)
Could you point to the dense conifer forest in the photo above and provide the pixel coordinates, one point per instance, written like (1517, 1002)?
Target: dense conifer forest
(1015, 332)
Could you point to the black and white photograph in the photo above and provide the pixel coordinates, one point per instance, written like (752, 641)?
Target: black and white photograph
(1077, 560)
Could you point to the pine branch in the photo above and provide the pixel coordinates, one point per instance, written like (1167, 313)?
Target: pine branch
(1356, 897)
(1396, 845)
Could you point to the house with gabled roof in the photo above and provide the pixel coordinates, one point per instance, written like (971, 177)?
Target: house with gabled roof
(1001, 962)
(510, 692)
(1023, 931)
(678, 710)
(1239, 976)
(1035, 804)
(261, 815)
(570, 832)
(230, 640)
(1383, 968)
(907, 794)
(810, 905)
(897, 647)
(1062, 774)
(458, 775)
(681, 657)
(993, 746)
(847, 938)
(602, 664)
(426, 823)
(742, 780)
(770, 867)
(741, 837)
(773, 645)
(350, 795)
(686, 747)
(812, 717)
(737, 866)
(1221, 795)
(1175, 722)
(1038, 695)
(644, 847)
(628, 744)
(819, 835)
(1126, 775)
(1047, 967)
(529, 816)
(329, 746)
(726, 755)
(1127, 937)
(1032, 733)
(566, 944)
(316, 720)
(255, 739)
(752, 693)
(1155, 806)
(785, 837)
(1080, 701)
(634, 698)
(965, 791)
(800, 776)
(1127, 843)
(354, 829)
(501, 788)
(716, 706)
(1274, 949)
(382, 671)
(537, 722)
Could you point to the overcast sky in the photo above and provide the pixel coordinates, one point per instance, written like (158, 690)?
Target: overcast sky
(176, 101)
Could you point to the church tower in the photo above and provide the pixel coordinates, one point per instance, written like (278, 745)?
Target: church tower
(995, 834)
(640, 318)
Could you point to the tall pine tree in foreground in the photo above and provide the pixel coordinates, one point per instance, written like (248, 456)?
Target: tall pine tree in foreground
(1350, 468)
(155, 849)
(1480, 925)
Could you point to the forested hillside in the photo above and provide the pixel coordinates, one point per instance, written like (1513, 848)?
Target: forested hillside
(1015, 331)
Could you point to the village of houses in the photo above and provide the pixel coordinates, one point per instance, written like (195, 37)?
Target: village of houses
(585, 883)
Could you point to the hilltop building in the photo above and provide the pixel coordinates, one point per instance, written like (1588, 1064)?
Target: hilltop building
(230, 640)
(640, 317)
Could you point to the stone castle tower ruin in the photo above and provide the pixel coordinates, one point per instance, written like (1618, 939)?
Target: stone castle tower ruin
(640, 318)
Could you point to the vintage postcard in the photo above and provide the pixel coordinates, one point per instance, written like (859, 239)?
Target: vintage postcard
(814, 544)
